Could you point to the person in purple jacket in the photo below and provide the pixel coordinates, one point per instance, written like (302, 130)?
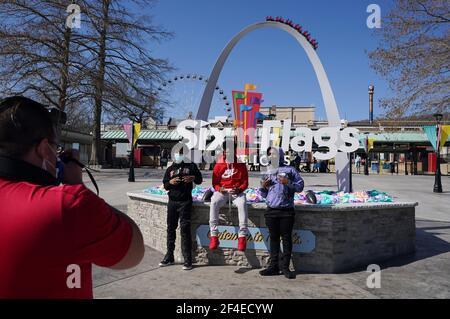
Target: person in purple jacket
(278, 187)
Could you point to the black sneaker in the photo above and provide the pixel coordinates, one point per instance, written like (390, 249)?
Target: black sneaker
(270, 271)
(187, 266)
(167, 261)
(289, 274)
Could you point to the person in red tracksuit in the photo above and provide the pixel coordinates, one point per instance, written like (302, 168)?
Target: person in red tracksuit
(230, 180)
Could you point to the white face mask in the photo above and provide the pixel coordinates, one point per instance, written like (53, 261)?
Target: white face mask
(45, 162)
(273, 160)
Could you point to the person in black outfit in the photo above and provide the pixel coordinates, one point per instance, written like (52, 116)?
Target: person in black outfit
(178, 181)
(297, 162)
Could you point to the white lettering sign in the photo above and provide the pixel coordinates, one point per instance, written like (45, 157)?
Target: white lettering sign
(330, 140)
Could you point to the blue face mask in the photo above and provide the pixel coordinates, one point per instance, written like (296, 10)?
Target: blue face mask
(178, 158)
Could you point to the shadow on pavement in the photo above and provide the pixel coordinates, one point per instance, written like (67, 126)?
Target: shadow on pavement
(103, 276)
(428, 244)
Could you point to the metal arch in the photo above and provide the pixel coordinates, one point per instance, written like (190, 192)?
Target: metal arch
(341, 160)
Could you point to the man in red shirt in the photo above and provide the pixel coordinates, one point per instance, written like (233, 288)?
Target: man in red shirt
(230, 180)
(52, 233)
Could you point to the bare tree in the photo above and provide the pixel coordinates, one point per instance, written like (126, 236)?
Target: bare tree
(37, 55)
(123, 71)
(414, 56)
(106, 65)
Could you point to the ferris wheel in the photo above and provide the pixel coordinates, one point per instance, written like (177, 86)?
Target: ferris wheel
(182, 94)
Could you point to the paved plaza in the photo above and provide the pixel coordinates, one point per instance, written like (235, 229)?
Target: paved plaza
(424, 274)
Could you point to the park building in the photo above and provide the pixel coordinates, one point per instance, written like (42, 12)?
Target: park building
(300, 115)
(399, 147)
(81, 141)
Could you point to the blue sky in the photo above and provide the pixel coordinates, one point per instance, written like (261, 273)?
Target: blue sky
(272, 59)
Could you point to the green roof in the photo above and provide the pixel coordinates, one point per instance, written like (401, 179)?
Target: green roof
(396, 137)
(172, 135)
(143, 135)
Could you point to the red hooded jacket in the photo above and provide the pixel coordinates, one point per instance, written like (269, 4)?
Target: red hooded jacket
(230, 175)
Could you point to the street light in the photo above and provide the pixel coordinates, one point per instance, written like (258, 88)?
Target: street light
(437, 175)
(131, 176)
(371, 92)
(366, 163)
(350, 177)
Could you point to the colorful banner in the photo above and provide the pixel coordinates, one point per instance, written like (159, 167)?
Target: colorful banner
(127, 129)
(238, 99)
(430, 131)
(370, 141)
(246, 107)
(445, 132)
(254, 100)
(245, 110)
(245, 117)
(258, 116)
(137, 130)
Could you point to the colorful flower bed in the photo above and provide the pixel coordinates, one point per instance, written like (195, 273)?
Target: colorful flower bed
(323, 197)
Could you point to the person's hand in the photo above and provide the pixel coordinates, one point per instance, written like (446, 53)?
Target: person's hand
(188, 179)
(266, 183)
(235, 191)
(283, 180)
(223, 190)
(175, 181)
(72, 172)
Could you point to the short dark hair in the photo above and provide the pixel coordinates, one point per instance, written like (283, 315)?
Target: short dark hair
(271, 148)
(23, 124)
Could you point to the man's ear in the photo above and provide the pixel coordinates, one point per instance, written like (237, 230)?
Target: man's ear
(42, 148)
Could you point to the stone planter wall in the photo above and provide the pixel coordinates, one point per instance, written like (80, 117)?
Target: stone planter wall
(346, 236)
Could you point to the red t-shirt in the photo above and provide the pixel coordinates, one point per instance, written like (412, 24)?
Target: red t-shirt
(45, 230)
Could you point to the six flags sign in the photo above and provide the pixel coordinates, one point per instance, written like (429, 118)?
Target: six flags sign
(329, 140)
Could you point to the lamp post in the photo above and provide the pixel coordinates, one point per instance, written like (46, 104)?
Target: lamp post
(371, 92)
(351, 174)
(131, 176)
(395, 162)
(366, 163)
(437, 176)
(406, 163)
